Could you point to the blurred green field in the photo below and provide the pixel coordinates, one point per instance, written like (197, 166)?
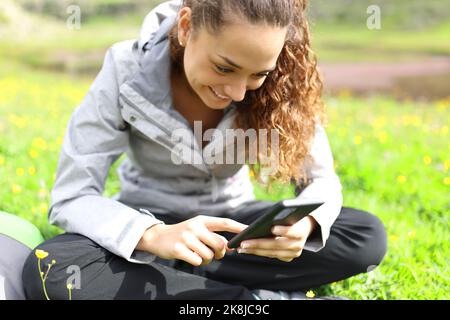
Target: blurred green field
(392, 158)
(392, 155)
(339, 33)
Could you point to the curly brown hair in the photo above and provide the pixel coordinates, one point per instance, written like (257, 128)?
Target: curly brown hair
(289, 101)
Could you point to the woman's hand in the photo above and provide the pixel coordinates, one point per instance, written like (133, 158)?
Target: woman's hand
(286, 246)
(193, 240)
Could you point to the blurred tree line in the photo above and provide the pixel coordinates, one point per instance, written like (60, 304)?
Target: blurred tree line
(402, 14)
(396, 14)
(89, 8)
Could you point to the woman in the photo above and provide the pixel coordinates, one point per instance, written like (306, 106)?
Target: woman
(222, 65)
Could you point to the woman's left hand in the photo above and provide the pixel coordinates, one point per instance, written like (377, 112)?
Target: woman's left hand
(288, 242)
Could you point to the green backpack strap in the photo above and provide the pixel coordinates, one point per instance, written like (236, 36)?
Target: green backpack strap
(20, 229)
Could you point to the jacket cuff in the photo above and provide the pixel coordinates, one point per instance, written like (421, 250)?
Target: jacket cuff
(315, 241)
(142, 223)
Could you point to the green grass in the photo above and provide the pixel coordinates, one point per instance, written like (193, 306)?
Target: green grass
(392, 157)
(340, 42)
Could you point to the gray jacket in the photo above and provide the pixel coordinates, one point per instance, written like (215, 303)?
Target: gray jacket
(129, 109)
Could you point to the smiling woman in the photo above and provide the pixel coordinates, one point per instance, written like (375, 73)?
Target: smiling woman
(233, 65)
(266, 66)
(208, 64)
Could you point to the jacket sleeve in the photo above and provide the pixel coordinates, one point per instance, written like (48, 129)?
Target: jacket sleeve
(95, 138)
(324, 185)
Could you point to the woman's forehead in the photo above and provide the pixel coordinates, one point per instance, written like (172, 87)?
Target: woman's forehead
(246, 45)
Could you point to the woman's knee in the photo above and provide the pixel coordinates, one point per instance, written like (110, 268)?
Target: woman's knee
(374, 245)
(48, 268)
(363, 240)
(36, 269)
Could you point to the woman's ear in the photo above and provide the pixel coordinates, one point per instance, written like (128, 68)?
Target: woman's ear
(184, 25)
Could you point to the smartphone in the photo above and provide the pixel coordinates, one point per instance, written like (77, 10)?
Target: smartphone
(284, 213)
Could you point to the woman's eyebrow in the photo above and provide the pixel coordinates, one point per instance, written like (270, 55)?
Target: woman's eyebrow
(239, 67)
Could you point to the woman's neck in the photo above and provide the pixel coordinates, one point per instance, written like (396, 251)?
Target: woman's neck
(189, 104)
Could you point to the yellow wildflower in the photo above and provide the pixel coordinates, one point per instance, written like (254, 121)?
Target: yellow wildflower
(2, 160)
(20, 172)
(401, 179)
(33, 153)
(41, 254)
(444, 130)
(44, 208)
(357, 140)
(416, 120)
(427, 160)
(16, 188)
(393, 238)
(447, 165)
(19, 122)
(310, 294)
(32, 171)
(406, 120)
(447, 181)
(382, 137)
(379, 122)
(39, 143)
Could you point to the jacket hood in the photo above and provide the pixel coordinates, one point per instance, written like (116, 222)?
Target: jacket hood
(155, 18)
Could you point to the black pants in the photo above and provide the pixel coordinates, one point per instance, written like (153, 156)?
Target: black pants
(357, 243)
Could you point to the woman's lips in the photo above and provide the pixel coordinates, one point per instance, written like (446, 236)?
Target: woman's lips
(219, 95)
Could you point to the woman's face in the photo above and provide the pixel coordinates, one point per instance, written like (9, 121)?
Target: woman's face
(221, 68)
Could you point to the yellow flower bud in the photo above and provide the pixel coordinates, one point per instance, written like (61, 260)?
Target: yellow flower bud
(41, 254)
(310, 294)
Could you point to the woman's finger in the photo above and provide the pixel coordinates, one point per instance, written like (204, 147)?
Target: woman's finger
(223, 224)
(278, 243)
(287, 231)
(278, 254)
(193, 243)
(214, 241)
(184, 253)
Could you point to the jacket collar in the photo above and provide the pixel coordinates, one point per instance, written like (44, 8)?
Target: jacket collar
(153, 78)
(149, 93)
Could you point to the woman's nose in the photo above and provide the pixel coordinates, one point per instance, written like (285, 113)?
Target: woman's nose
(236, 92)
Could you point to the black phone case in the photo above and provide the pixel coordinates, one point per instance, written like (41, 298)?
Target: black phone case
(275, 215)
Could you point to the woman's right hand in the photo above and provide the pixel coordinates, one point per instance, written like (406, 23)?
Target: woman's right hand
(193, 240)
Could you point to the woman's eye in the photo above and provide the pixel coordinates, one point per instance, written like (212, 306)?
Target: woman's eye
(223, 70)
(226, 70)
